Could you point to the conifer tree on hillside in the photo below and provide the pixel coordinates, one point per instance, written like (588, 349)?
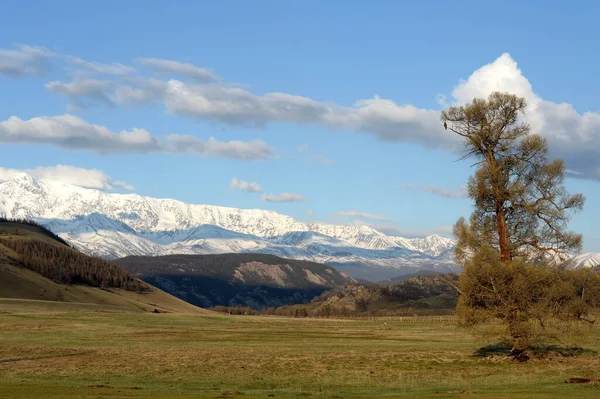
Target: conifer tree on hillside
(62, 264)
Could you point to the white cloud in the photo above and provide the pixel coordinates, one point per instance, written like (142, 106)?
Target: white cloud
(89, 178)
(243, 185)
(96, 90)
(362, 215)
(444, 192)
(235, 149)
(96, 67)
(178, 68)
(70, 132)
(302, 148)
(24, 61)
(283, 197)
(139, 91)
(85, 92)
(34, 60)
(382, 118)
(572, 136)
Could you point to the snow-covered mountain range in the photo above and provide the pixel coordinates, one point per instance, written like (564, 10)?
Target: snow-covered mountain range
(116, 225)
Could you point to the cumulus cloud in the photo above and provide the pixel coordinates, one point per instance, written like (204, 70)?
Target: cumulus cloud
(243, 185)
(283, 197)
(133, 91)
(443, 192)
(572, 135)
(360, 215)
(89, 178)
(24, 61)
(139, 91)
(233, 105)
(178, 68)
(70, 132)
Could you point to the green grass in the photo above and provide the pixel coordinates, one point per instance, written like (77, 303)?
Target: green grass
(100, 353)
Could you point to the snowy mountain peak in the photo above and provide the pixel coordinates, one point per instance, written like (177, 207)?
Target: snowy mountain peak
(116, 225)
(23, 178)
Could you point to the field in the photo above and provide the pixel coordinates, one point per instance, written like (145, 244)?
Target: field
(63, 350)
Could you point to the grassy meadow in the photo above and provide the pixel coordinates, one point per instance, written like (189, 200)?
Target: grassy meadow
(62, 350)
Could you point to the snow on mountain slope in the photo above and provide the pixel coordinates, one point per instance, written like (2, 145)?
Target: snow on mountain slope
(585, 260)
(433, 245)
(116, 225)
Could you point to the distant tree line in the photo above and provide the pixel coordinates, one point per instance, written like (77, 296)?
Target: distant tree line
(66, 266)
(420, 287)
(298, 311)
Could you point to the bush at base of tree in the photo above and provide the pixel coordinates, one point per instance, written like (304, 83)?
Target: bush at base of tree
(524, 297)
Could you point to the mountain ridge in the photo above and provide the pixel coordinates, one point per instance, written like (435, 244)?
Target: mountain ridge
(115, 225)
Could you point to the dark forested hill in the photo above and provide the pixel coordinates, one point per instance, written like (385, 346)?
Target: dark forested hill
(35, 264)
(54, 259)
(254, 280)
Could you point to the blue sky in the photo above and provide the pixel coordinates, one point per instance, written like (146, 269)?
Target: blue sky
(354, 127)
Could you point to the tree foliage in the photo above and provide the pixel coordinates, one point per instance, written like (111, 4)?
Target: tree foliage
(518, 228)
(521, 205)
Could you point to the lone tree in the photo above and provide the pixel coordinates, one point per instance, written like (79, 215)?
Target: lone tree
(519, 224)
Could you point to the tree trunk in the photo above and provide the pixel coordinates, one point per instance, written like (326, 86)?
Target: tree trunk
(502, 234)
(498, 190)
(518, 334)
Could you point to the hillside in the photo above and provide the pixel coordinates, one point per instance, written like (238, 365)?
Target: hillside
(19, 282)
(422, 295)
(254, 280)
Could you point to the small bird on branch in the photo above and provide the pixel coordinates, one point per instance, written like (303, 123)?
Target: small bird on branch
(445, 126)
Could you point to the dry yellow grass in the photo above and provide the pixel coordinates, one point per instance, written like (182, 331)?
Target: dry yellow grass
(20, 283)
(106, 355)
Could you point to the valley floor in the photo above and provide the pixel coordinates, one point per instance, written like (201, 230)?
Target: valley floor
(96, 352)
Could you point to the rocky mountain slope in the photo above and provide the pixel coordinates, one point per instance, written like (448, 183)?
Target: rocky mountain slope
(254, 280)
